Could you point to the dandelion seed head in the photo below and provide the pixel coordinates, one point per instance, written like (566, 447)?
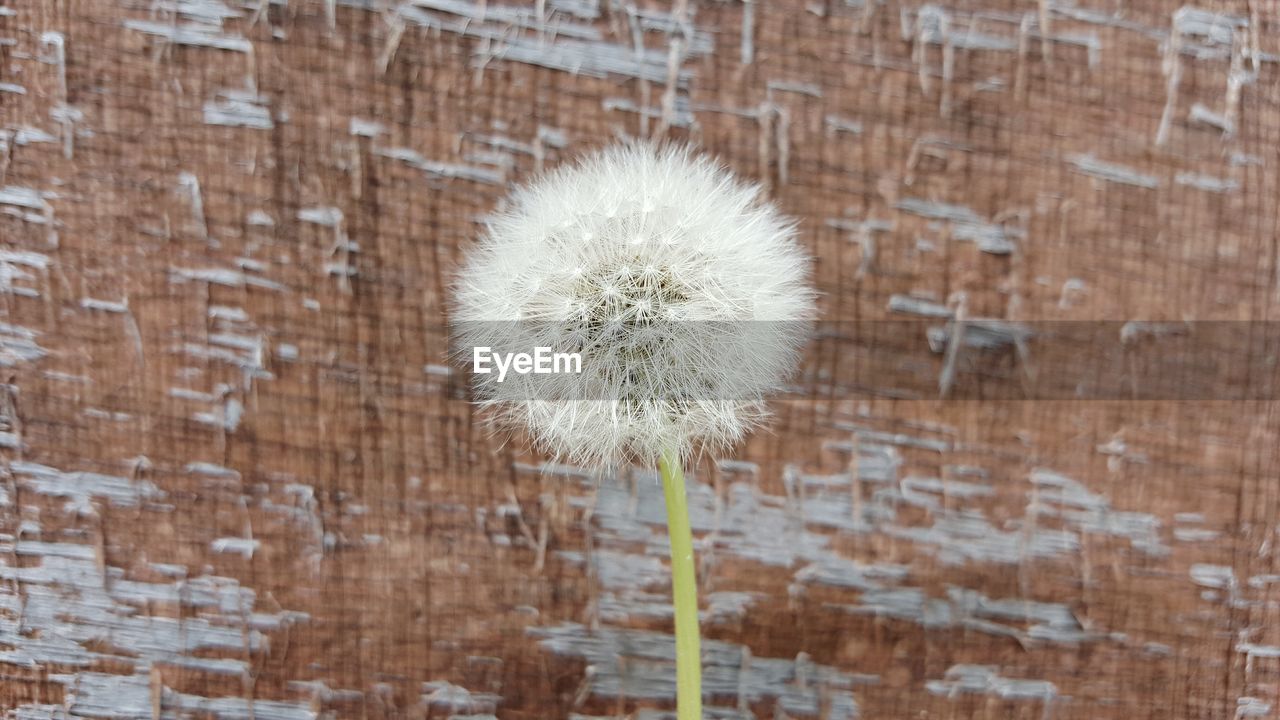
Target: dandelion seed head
(681, 287)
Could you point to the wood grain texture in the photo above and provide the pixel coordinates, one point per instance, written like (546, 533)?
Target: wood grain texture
(242, 480)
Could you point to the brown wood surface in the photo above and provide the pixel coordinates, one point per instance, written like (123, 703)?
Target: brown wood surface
(241, 480)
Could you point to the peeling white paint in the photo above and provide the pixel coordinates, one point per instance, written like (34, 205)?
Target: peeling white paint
(792, 86)
(931, 26)
(1252, 707)
(681, 114)
(22, 197)
(1206, 182)
(29, 135)
(321, 215)
(11, 262)
(239, 108)
(1060, 496)
(984, 680)
(444, 170)
(1255, 650)
(841, 124)
(193, 34)
(213, 470)
(1212, 28)
(639, 664)
(441, 695)
(1111, 172)
(227, 313)
(918, 306)
(997, 239)
(366, 128)
(226, 415)
(245, 547)
(110, 306)
(1195, 535)
(72, 601)
(221, 276)
(260, 218)
(1213, 576)
(1200, 114)
(578, 48)
(18, 345)
(78, 487)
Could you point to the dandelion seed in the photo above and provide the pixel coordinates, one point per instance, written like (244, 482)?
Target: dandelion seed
(685, 318)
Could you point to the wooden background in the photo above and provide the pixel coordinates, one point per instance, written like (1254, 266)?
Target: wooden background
(240, 479)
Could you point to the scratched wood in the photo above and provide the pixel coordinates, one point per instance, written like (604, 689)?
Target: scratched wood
(241, 479)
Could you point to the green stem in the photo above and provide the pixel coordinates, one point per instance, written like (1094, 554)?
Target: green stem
(684, 592)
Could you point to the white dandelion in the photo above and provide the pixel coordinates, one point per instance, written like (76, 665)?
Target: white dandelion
(681, 288)
(684, 294)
